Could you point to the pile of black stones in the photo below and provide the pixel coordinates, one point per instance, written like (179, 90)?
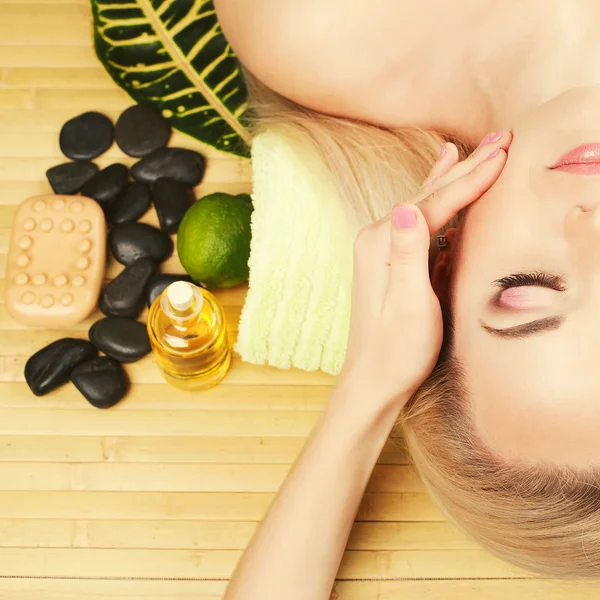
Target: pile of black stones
(163, 177)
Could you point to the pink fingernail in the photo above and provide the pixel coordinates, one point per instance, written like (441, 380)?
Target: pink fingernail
(495, 137)
(442, 151)
(491, 138)
(494, 153)
(404, 217)
(485, 140)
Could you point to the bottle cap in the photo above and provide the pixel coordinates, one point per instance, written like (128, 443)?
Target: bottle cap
(180, 295)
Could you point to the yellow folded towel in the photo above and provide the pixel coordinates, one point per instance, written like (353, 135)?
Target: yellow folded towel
(297, 311)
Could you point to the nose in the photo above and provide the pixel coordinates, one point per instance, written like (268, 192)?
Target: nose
(592, 216)
(583, 234)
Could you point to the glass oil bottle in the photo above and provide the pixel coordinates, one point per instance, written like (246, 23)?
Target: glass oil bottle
(187, 330)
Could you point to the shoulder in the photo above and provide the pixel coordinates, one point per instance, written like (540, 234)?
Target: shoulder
(274, 39)
(329, 55)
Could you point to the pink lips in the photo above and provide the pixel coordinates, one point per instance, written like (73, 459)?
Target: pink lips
(583, 160)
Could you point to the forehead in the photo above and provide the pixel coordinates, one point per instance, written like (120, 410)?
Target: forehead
(536, 399)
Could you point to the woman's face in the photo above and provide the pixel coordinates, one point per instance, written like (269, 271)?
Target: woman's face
(526, 290)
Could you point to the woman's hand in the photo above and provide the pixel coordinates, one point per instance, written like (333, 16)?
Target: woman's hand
(396, 332)
(396, 324)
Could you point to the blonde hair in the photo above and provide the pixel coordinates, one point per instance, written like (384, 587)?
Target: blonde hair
(373, 167)
(542, 517)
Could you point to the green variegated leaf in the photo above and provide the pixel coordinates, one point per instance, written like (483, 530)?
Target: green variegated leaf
(172, 53)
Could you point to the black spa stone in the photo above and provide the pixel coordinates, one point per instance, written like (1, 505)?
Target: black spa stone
(69, 178)
(131, 241)
(160, 282)
(86, 136)
(178, 164)
(123, 339)
(51, 366)
(132, 203)
(171, 200)
(142, 129)
(125, 295)
(105, 186)
(101, 381)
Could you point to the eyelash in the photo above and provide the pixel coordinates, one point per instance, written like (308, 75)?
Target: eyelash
(538, 278)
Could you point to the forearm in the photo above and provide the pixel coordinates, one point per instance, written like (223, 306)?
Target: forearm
(296, 551)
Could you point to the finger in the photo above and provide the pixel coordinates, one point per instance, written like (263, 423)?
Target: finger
(371, 259)
(444, 203)
(447, 159)
(409, 255)
(478, 156)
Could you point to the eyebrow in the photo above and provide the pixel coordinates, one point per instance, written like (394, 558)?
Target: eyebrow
(527, 329)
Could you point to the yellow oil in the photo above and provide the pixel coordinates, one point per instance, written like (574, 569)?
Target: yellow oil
(190, 345)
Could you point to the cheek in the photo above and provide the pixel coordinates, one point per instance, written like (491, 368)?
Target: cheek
(491, 236)
(484, 225)
(467, 257)
(461, 298)
(469, 275)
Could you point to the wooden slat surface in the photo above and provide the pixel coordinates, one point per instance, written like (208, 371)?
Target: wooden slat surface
(209, 535)
(64, 589)
(156, 498)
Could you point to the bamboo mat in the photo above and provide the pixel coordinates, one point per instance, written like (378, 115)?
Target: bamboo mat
(156, 498)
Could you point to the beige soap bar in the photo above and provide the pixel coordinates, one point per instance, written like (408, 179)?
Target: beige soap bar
(56, 261)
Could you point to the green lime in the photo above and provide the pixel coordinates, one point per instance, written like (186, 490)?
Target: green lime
(213, 241)
(246, 197)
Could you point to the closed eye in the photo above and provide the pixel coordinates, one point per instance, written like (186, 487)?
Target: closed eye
(527, 291)
(519, 299)
(539, 278)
